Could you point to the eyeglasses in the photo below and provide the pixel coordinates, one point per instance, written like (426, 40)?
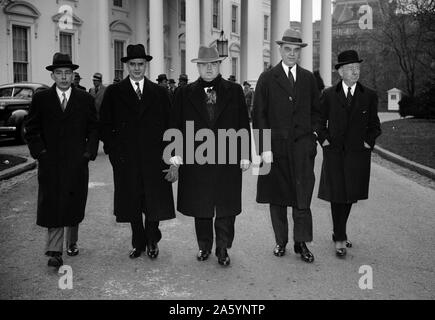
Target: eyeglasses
(351, 68)
(59, 73)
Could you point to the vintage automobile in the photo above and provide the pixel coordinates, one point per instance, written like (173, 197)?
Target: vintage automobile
(15, 99)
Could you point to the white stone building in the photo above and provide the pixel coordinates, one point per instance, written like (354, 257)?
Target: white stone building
(97, 32)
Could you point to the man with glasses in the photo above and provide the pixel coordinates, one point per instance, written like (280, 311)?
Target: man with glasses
(348, 131)
(62, 134)
(134, 115)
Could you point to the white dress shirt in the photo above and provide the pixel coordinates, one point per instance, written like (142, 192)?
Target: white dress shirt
(293, 70)
(60, 94)
(141, 83)
(345, 88)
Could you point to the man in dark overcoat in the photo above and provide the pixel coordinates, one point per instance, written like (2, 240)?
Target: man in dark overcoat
(211, 189)
(349, 128)
(134, 115)
(286, 101)
(62, 134)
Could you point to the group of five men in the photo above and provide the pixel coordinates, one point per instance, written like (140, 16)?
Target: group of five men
(62, 131)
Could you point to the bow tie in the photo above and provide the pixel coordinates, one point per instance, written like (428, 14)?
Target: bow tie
(208, 89)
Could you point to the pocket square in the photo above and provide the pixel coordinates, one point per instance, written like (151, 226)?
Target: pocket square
(365, 111)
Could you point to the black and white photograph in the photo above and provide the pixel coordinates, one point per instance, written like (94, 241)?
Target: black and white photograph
(217, 158)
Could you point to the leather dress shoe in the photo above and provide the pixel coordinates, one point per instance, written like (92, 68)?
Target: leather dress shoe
(135, 253)
(279, 250)
(301, 248)
(153, 250)
(341, 253)
(348, 243)
(55, 260)
(73, 250)
(203, 255)
(223, 257)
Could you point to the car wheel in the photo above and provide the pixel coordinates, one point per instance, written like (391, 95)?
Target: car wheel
(19, 134)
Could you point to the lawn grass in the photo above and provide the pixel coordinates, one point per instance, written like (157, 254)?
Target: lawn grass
(8, 161)
(411, 138)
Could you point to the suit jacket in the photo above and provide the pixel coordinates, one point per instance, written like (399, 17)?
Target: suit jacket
(132, 131)
(292, 116)
(346, 162)
(202, 187)
(69, 139)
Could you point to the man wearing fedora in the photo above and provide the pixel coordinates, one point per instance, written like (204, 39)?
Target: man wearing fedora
(348, 130)
(211, 189)
(286, 101)
(62, 134)
(162, 80)
(98, 90)
(133, 117)
(183, 80)
(76, 82)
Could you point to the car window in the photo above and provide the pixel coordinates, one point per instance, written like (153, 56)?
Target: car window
(6, 93)
(23, 93)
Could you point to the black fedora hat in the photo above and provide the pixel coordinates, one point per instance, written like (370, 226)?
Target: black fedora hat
(136, 51)
(347, 57)
(161, 77)
(61, 60)
(183, 77)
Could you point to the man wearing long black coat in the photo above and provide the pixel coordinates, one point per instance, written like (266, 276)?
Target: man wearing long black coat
(62, 134)
(287, 102)
(134, 115)
(212, 189)
(348, 131)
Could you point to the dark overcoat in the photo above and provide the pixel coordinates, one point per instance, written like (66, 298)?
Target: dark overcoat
(70, 139)
(202, 188)
(132, 133)
(346, 162)
(292, 116)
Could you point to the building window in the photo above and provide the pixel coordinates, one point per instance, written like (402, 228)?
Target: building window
(234, 19)
(393, 97)
(119, 53)
(216, 16)
(234, 67)
(183, 10)
(117, 3)
(20, 48)
(183, 60)
(66, 40)
(266, 27)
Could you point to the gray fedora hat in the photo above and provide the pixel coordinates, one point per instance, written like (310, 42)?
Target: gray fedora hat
(291, 36)
(207, 54)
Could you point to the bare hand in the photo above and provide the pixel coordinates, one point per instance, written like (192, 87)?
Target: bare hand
(244, 165)
(171, 174)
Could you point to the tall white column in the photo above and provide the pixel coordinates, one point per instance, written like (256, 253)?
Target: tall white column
(307, 34)
(104, 41)
(141, 22)
(252, 39)
(280, 20)
(193, 37)
(326, 43)
(156, 49)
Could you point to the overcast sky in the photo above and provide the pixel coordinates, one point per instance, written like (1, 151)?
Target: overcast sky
(295, 10)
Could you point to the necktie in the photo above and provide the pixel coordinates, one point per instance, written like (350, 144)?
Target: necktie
(64, 102)
(290, 77)
(139, 94)
(96, 90)
(349, 96)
